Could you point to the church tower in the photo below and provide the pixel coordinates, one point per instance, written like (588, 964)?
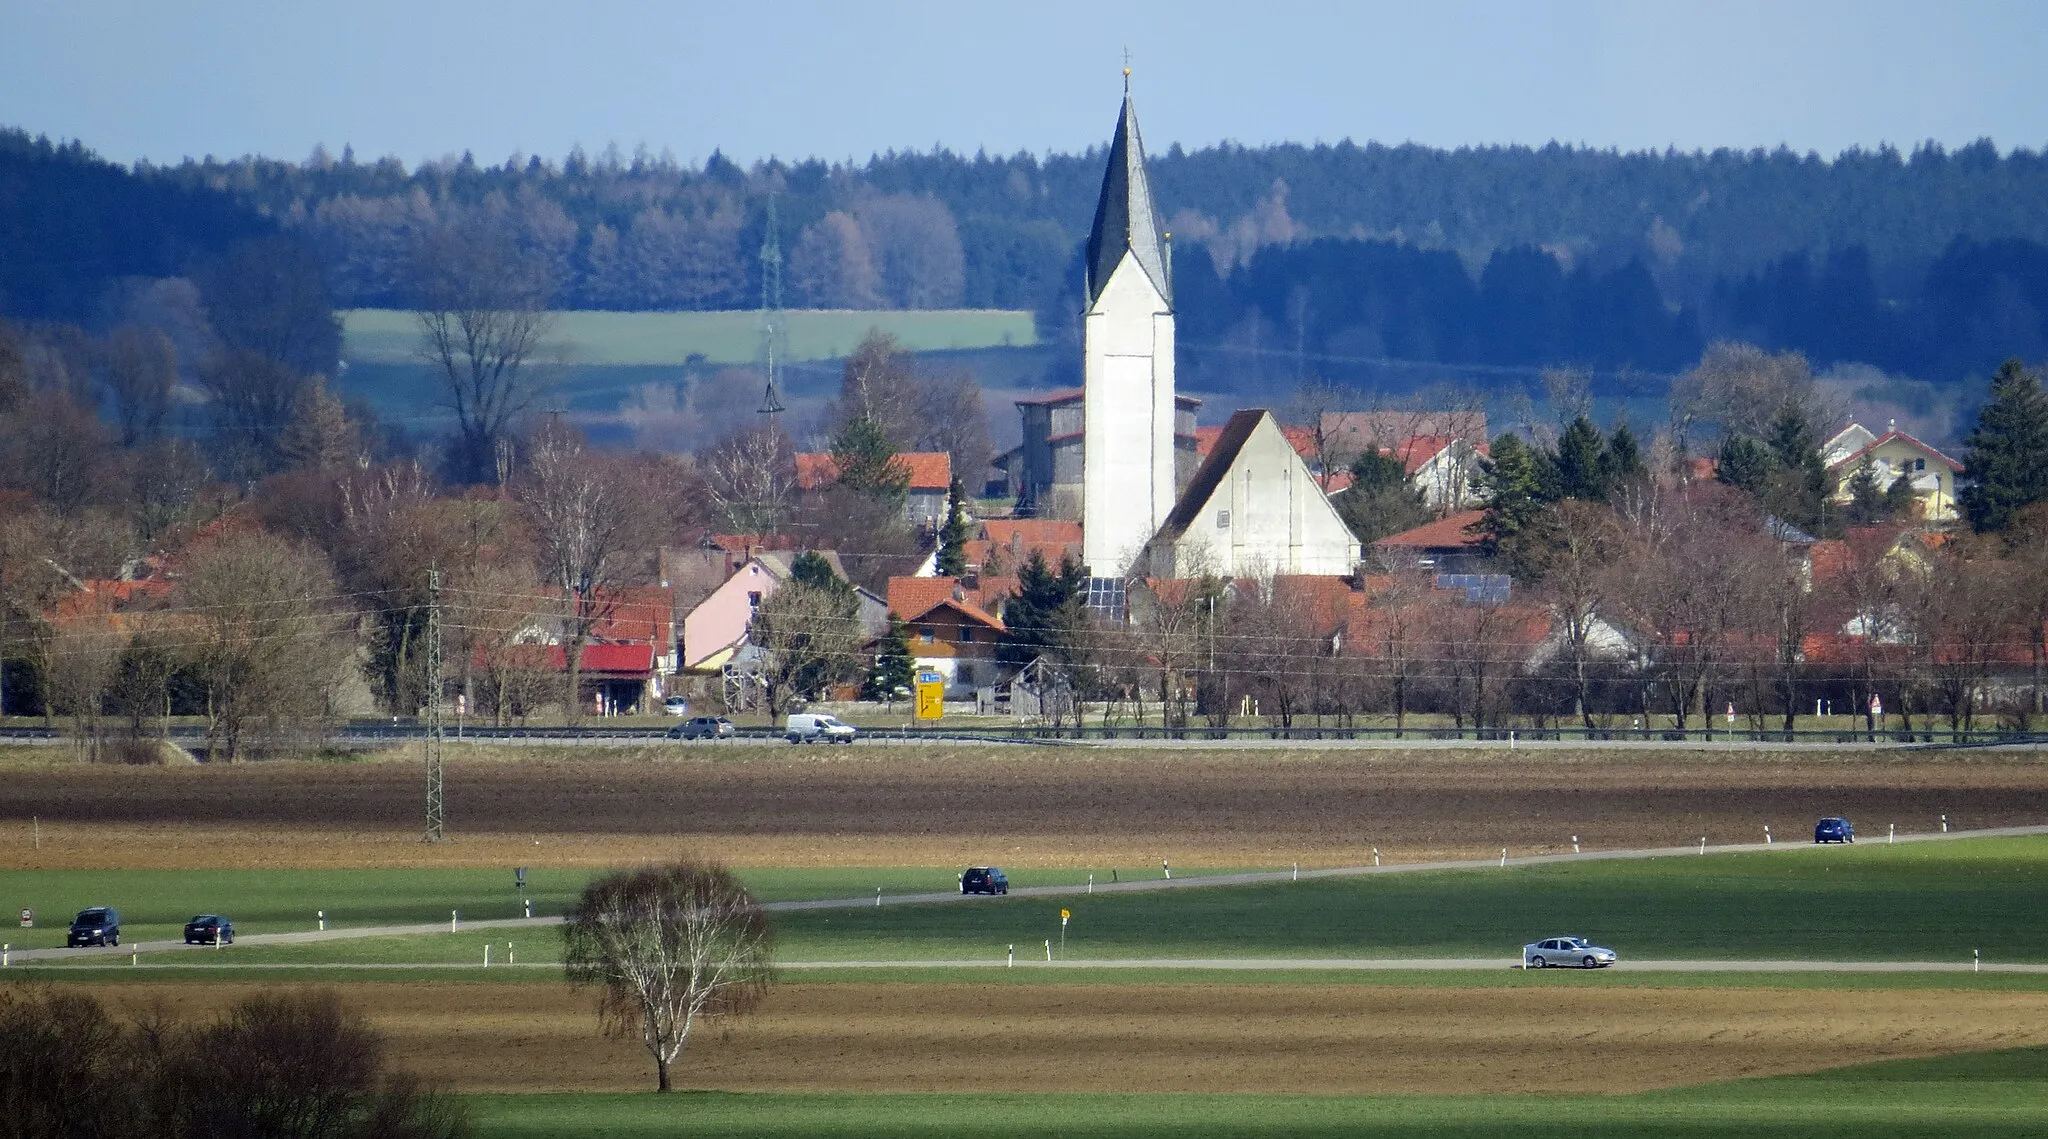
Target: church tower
(1127, 448)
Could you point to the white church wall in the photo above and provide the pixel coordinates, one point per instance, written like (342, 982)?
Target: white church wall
(1265, 516)
(1127, 451)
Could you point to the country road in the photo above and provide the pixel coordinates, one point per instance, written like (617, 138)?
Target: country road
(1789, 849)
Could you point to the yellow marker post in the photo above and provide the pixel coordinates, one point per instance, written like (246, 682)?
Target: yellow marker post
(1065, 916)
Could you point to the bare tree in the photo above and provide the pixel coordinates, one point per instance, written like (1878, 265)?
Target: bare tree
(668, 946)
(263, 624)
(809, 636)
(482, 310)
(141, 369)
(593, 515)
(1578, 549)
(83, 659)
(750, 476)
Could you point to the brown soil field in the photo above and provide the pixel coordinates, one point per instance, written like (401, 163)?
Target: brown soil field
(1252, 1038)
(878, 805)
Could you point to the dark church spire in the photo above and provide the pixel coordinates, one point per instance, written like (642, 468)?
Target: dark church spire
(1124, 216)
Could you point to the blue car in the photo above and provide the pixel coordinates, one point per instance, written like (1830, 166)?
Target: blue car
(1834, 830)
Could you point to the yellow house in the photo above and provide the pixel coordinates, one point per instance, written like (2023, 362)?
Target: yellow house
(1932, 474)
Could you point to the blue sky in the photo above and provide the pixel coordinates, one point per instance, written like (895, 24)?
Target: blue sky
(144, 78)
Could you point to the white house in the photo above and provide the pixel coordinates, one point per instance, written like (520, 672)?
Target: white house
(1253, 508)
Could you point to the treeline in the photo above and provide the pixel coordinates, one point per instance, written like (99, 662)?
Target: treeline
(1929, 264)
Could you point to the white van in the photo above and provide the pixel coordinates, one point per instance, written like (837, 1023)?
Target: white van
(803, 728)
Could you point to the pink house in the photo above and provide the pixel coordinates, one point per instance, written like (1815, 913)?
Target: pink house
(718, 626)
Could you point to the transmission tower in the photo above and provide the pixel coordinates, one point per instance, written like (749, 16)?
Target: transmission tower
(436, 808)
(774, 335)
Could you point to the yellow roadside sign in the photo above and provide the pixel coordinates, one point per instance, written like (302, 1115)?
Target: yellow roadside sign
(931, 695)
(1065, 914)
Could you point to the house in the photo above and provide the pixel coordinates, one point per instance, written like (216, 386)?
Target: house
(611, 680)
(1931, 474)
(1252, 508)
(951, 632)
(1007, 544)
(719, 624)
(1442, 467)
(1045, 471)
(930, 474)
(1447, 545)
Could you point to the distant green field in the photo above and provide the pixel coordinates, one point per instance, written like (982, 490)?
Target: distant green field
(1921, 901)
(155, 903)
(639, 339)
(1989, 1095)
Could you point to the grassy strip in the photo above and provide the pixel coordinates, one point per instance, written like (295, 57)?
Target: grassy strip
(1992, 1095)
(428, 968)
(154, 904)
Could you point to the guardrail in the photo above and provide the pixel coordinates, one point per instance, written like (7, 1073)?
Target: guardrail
(371, 730)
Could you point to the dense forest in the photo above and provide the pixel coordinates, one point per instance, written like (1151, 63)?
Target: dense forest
(1290, 259)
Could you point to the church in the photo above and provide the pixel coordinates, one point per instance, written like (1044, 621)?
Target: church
(1147, 509)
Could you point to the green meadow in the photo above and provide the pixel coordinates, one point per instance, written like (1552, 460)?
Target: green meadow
(1933, 901)
(1990, 1095)
(641, 339)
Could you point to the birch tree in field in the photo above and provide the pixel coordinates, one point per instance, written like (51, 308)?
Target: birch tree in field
(667, 947)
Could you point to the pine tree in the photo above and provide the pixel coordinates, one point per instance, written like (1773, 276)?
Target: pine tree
(867, 462)
(1045, 611)
(1380, 500)
(815, 570)
(1745, 464)
(1579, 462)
(953, 536)
(894, 665)
(1867, 501)
(1899, 497)
(1624, 458)
(1517, 487)
(2006, 458)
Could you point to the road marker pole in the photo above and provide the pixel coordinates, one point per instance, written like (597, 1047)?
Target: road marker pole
(322, 915)
(1013, 956)
(878, 897)
(1575, 844)
(135, 958)
(454, 920)
(1767, 834)
(509, 959)
(1168, 870)
(1091, 881)
(1297, 872)
(4, 951)
(1048, 950)
(1503, 858)
(1944, 824)
(529, 907)
(1893, 836)
(487, 954)
(1375, 856)
(1703, 844)
(1064, 915)
(1976, 960)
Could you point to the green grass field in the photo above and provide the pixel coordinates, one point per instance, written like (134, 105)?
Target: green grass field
(1991, 1094)
(638, 339)
(155, 903)
(1912, 902)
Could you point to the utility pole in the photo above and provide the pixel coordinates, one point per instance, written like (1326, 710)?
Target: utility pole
(773, 332)
(436, 810)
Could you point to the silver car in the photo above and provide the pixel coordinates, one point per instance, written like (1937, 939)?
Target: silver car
(1566, 951)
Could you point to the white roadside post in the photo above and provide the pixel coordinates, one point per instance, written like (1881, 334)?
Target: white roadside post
(1575, 844)
(322, 915)
(1297, 872)
(1703, 844)
(878, 897)
(529, 907)
(1375, 856)
(4, 951)
(1976, 961)
(1168, 870)
(1767, 834)
(1892, 836)
(454, 920)
(1503, 858)
(1944, 824)
(487, 954)
(1013, 956)
(509, 959)
(1091, 881)
(1048, 950)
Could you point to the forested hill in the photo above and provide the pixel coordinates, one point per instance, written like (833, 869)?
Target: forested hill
(1289, 258)
(71, 224)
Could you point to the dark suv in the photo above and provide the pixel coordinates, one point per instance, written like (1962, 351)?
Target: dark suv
(100, 925)
(983, 880)
(702, 728)
(1834, 830)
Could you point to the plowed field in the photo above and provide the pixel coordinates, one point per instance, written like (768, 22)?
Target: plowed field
(1210, 1038)
(876, 805)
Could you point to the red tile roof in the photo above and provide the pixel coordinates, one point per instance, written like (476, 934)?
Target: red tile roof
(966, 609)
(1887, 437)
(617, 660)
(912, 597)
(928, 470)
(1441, 534)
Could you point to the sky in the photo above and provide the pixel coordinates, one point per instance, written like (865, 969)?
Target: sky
(145, 79)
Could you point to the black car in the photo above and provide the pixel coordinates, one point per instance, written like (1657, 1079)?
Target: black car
(1834, 830)
(209, 929)
(100, 925)
(983, 880)
(702, 728)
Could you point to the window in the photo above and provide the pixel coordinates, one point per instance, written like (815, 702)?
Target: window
(753, 599)
(966, 635)
(924, 634)
(1919, 464)
(1223, 520)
